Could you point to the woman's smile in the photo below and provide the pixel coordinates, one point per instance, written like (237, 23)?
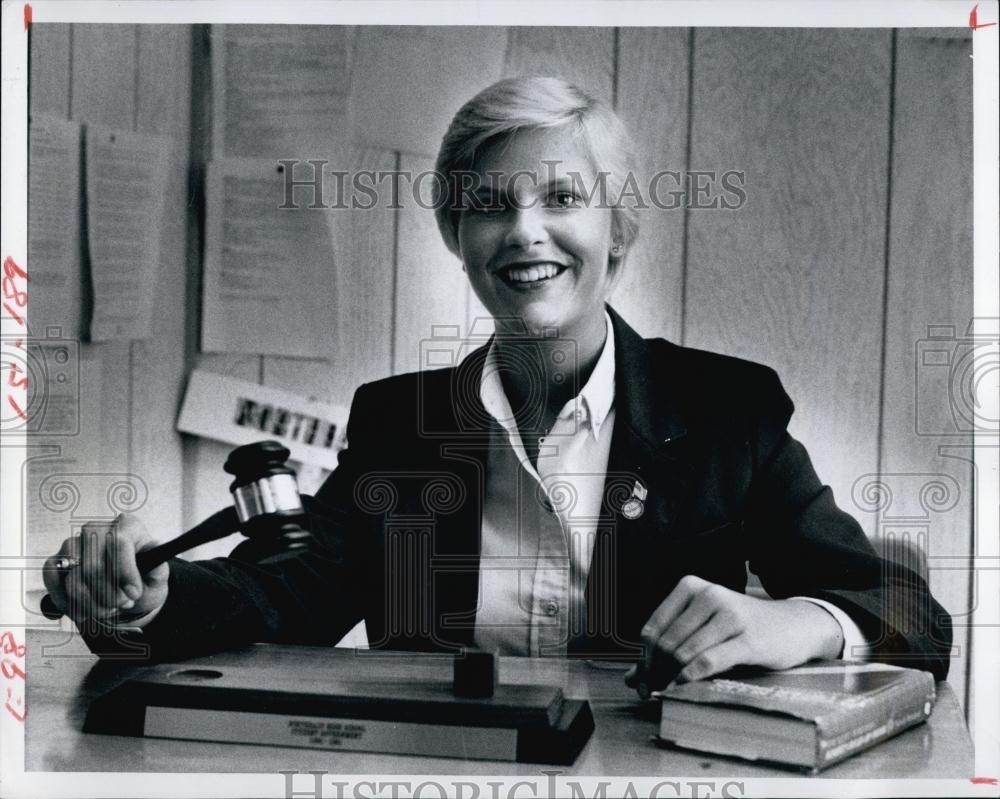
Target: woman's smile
(529, 275)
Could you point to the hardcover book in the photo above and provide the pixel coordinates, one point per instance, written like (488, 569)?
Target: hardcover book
(811, 716)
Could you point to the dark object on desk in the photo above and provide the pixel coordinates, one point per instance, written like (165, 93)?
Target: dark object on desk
(811, 716)
(519, 723)
(268, 510)
(476, 673)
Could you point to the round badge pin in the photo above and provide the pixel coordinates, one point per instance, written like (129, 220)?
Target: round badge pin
(633, 508)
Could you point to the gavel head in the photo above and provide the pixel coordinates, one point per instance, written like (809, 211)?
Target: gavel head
(267, 503)
(265, 485)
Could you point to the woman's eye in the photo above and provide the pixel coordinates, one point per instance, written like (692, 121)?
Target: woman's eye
(563, 199)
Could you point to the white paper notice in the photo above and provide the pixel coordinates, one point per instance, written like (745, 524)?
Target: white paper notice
(279, 90)
(269, 271)
(240, 412)
(54, 225)
(126, 191)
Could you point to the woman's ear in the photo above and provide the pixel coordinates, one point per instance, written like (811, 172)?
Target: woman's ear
(616, 255)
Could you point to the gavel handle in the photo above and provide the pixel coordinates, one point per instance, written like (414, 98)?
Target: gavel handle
(217, 526)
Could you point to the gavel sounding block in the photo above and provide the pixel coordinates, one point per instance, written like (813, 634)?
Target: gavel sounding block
(519, 723)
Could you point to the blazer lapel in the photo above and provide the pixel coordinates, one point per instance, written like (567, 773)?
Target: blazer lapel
(459, 437)
(647, 479)
(650, 434)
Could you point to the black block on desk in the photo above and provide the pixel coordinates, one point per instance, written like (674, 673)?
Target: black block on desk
(520, 723)
(476, 673)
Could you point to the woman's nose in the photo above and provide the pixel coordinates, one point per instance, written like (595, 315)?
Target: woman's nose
(527, 227)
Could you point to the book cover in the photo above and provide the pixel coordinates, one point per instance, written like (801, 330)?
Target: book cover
(810, 716)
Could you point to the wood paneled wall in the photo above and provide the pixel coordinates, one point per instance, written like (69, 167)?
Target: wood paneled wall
(132, 78)
(855, 238)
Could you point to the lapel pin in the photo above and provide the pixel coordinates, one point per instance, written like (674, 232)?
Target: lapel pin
(634, 506)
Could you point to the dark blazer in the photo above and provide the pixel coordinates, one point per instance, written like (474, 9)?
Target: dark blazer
(399, 521)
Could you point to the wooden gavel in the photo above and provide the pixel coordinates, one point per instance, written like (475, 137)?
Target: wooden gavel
(267, 509)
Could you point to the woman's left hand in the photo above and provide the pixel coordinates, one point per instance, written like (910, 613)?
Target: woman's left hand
(702, 629)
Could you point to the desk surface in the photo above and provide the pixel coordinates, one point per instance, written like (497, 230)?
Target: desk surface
(63, 678)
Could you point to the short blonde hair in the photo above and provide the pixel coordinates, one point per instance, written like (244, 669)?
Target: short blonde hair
(527, 104)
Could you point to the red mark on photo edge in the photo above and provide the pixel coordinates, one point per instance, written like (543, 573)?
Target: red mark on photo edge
(974, 22)
(17, 408)
(11, 273)
(984, 781)
(10, 646)
(27, 16)
(14, 315)
(15, 702)
(13, 672)
(10, 269)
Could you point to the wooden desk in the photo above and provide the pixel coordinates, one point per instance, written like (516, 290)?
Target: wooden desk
(63, 678)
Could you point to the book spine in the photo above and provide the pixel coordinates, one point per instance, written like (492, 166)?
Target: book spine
(340, 734)
(848, 731)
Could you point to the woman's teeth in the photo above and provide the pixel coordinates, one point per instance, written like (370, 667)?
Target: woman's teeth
(532, 274)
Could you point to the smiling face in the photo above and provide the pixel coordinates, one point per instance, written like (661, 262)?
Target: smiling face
(543, 257)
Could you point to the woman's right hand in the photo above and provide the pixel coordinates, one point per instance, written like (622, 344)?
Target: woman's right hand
(106, 584)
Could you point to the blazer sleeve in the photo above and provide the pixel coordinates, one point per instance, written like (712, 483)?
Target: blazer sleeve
(223, 603)
(803, 544)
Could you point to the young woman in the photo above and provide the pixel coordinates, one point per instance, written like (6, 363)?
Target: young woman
(570, 489)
